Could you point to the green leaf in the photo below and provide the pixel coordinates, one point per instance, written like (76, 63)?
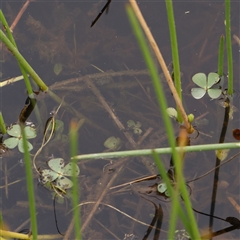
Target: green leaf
(64, 183)
(172, 112)
(138, 124)
(200, 79)
(20, 146)
(67, 170)
(11, 142)
(213, 78)
(56, 164)
(14, 130)
(48, 175)
(214, 93)
(30, 132)
(137, 131)
(59, 126)
(57, 68)
(130, 123)
(162, 187)
(222, 154)
(113, 143)
(198, 93)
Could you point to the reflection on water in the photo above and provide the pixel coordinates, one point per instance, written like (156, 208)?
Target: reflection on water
(59, 33)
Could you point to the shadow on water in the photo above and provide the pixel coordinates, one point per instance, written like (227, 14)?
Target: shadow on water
(58, 42)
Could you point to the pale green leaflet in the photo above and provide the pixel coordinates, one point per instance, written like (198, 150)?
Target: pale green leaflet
(162, 188)
(113, 143)
(16, 139)
(57, 172)
(135, 126)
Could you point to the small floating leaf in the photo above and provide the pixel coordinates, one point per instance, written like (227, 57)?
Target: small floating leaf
(172, 112)
(30, 132)
(56, 164)
(57, 174)
(57, 68)
(20, 146)
(198, 93)
(14, 130)
(130, 123)
(11, 142)
(48, 175)
(213, 78)
(200, 79)
(113, 143)
(67, 170)
(137, 131)
(162, 187)
(64, 183)
(214, 93)
(138, 124)
(167, 193)
(222, 154)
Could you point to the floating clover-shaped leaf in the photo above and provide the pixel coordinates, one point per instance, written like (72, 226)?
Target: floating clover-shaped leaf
(172, 113)
(113, 143)
(16, 139)
(135, 126)
(57, 68)
(206, 85)
(162, 188)
(181, 235)
(57, 173)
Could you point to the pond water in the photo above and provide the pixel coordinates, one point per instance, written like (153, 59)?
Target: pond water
(57, 41)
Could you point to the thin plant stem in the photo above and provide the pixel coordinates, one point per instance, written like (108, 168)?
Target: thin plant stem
(162, 64)
(23, 62)
(221, 56)
(25, 76)
(30, 185)
(74, 126)
(168, 150)
(10, 37)
(163, 106)
(18, 17)
(13, 235)
(2, 124)
(229, 46)
(173, 195)
(174, 47)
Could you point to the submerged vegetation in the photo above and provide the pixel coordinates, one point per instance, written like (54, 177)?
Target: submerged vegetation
(119, 174)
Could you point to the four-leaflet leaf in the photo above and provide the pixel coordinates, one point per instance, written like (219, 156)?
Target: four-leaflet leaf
(206, 85)
(16, 137)
(57, 173)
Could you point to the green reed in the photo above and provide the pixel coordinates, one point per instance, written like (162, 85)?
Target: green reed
(30, 186)
(221, 56)
(24, 73)
(2, 124)
(23, 64)
(11, 39)
(174, 47)
(73, 133)
(193, 231)
(229, 46)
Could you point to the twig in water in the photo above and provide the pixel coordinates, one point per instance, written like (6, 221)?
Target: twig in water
(162, 64)
(51, 124)
(16, 20)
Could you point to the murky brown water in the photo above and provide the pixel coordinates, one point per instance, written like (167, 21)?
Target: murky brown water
(59, 33)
